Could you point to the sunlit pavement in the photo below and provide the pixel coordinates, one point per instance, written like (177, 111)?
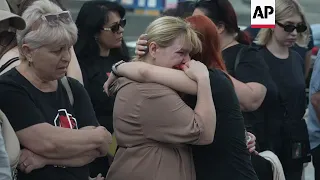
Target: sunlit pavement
(309, 172)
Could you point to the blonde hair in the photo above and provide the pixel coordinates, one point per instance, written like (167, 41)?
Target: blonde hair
(164, 30)
(285, 9)
(39, 33)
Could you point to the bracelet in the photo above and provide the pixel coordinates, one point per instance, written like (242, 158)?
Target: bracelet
(115, 66)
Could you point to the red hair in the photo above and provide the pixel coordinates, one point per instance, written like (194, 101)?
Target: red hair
(207, 31)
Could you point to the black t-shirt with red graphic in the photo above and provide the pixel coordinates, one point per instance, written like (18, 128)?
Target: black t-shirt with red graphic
(25, 105)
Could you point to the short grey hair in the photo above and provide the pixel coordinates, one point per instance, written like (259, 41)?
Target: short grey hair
(39, 33)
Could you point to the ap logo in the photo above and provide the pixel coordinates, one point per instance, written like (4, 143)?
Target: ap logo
(263, 14)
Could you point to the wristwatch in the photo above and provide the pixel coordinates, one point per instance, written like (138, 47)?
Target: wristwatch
(114, 67)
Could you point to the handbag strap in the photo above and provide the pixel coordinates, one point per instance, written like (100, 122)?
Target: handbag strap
(239, 54)
(237, 60)
(65, 83)
(8, 63)
(284, 104)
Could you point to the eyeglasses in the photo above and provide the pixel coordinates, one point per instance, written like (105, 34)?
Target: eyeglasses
(53, 19)
(115, 28)
(290, 27)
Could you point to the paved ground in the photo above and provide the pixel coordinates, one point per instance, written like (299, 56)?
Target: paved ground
(309, 172)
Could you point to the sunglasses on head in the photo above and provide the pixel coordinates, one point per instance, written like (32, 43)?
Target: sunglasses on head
(115, 28)
(290, 27)
(53, 19)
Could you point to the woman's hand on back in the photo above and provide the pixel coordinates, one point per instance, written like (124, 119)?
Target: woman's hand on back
(195, 70)
(108, 83)
(141, 45)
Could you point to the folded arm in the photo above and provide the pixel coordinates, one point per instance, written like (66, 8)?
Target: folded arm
(81, 160)
(56, 142)
(42, 138)
(30, 161)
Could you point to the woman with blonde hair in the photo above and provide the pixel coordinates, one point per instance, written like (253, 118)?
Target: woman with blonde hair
(286, 100)
(152, 124)
(227, 157)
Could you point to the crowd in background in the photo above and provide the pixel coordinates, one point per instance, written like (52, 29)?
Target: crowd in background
(201, 99)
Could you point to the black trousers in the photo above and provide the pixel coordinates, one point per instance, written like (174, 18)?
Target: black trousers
(316, 161)
(292, 169)
(262, 167)
(99, 165)
(293, 172)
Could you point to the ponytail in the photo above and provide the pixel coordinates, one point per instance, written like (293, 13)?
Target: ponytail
(243, 38)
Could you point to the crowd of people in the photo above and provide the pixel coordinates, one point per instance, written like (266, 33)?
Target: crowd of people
(200, 100)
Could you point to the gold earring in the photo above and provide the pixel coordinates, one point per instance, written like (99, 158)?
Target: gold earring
(29, 61)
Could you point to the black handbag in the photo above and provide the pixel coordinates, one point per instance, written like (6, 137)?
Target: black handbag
(296, 142)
